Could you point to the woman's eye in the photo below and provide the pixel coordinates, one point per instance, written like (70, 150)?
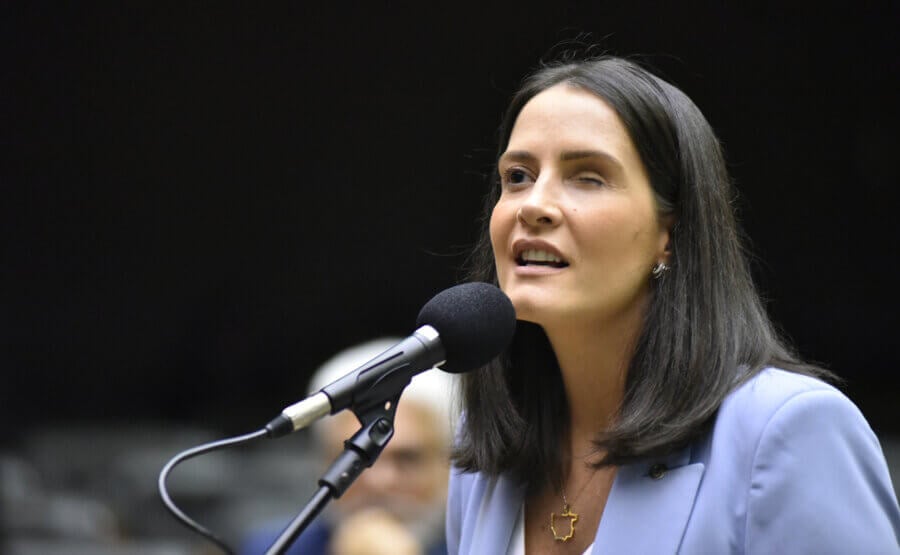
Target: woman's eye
(592, 179)
(515, 176)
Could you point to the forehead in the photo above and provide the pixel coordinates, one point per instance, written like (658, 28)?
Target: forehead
(566, 117)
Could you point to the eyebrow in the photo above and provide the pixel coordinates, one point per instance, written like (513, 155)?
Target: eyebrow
(566, 156)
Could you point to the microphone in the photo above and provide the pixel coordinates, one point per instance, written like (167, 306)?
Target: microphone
(459, 329)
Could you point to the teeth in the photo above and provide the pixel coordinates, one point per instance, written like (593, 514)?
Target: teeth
(533, 255)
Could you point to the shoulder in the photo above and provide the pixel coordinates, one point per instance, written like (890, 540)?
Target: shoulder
(776, 398)
(779, 421)
(768, 401)
(808, 454)
(769, 390)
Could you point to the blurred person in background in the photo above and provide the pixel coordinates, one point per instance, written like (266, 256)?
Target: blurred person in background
(397, 506)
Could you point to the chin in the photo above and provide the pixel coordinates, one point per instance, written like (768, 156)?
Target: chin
(555, 315)
(536, 311)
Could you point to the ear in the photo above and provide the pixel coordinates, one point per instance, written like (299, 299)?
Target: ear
(666, 226)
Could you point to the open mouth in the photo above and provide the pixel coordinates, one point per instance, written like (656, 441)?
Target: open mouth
(534, 257)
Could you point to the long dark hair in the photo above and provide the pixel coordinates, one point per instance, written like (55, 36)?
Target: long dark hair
(705, 330)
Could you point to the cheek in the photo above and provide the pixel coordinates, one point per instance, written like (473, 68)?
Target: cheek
(499, 229)
(623, 225)
(627, 243)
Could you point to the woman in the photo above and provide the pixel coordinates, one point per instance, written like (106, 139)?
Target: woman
(647, 404)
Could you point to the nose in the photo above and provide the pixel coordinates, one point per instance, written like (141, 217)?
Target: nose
(541, 207)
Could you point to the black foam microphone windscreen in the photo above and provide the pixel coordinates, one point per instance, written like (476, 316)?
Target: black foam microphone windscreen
(476, 321)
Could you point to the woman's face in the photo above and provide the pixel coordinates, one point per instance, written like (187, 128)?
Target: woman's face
(575, 232)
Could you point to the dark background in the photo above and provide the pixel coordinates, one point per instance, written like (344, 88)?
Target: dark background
(201, 204)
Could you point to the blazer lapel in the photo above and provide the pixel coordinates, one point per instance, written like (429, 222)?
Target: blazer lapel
(649, 506)
(499, 511)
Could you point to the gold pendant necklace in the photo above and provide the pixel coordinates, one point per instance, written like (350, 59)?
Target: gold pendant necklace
(566, 514)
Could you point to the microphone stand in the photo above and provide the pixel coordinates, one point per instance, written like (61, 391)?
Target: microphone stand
(360, 452)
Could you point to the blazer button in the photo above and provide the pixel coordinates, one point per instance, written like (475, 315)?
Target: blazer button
(657, 471)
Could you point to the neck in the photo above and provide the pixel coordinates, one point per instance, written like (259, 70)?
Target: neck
(593, 359)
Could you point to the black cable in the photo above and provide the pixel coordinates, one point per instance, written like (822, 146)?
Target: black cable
(191, 453)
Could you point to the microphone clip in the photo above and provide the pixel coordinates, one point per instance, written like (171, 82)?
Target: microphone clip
(361, 450)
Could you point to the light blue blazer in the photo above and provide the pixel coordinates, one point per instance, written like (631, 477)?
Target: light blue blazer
(790, 466)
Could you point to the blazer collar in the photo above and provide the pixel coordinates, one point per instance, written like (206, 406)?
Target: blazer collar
(649, 506)
(646, 512)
